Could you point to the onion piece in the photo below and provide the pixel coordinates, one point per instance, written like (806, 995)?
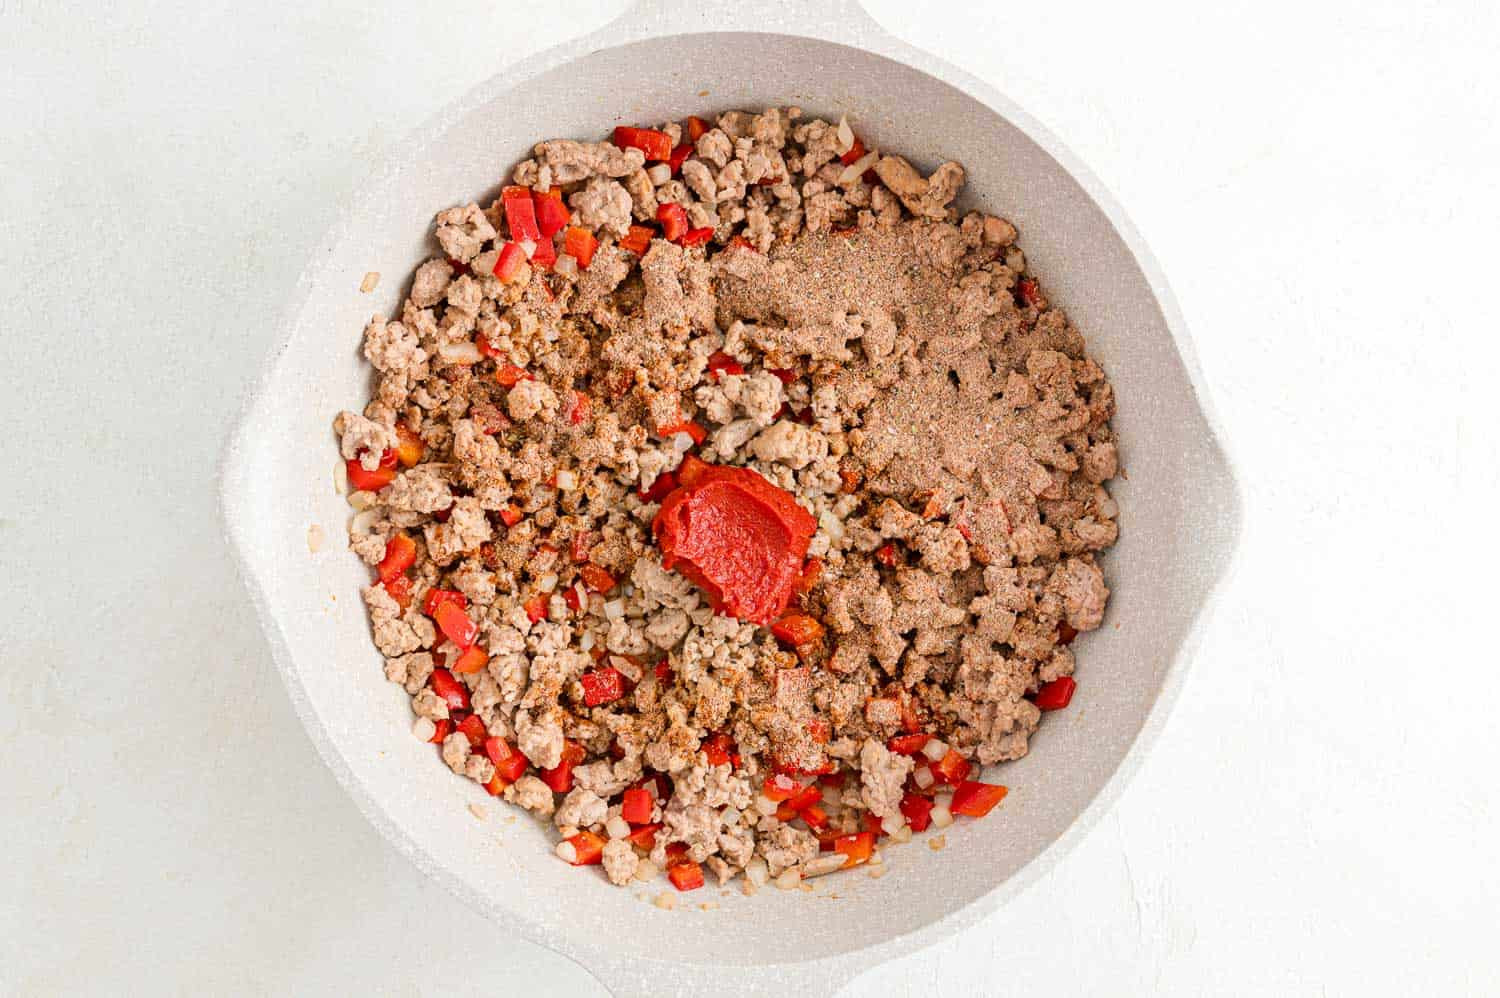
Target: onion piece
(547, 583)
(464, 352)
(856, 169)
(846, 136)
(659, 173)
(614, 609)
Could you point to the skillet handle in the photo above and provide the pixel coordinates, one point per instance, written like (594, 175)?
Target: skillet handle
(836, 20)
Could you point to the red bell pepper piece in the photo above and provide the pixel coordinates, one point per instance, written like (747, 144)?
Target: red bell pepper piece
(520, 215)
(588, 848)
(454, 693)
(535, 607)
(679, 156)
(571, 597)
(780, 787)
(797, 629)
(697, 237)
(400, 554)
(508, 265)
(691, 469)
(1066, 632)
(551, 213)
(437, 597)
(696, 127)
(510, 514)
(692, 429)
(596, 578)
(637, 805)
(472, 728)
(638, 239)
(660, 488)
(1031, 293)
(976, 799)
(685, 875)
(442, 729)
(544, 256)
(952, 768)
(855, 848)
(812, 570)
(370, 481)
(721, 750)
(455, 624)
(887, 554)
(580, 407)
(560, 777)
(400, 590)
(673, 219)
(784, 374)
(509, 375)
(835, 780)
(409, 446)
(664, 673)
(471, 660)
(874, 824)
(855, 154)
(580, 244)
(645, 836)
(509, 763)
(656, 145)
(908, 744)
(1057, 694)
(720, 364)
(917, 810)
(602, 686)
(815, 816)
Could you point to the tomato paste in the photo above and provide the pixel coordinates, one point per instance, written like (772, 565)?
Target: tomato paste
(740, 538)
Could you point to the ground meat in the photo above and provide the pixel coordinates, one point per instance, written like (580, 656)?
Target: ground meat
(890, 365)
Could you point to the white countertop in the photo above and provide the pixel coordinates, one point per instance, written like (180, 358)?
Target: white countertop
(1318, 180)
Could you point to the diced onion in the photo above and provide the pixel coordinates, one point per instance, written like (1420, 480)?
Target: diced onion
(941, 816)
(892, 823)
(566, 852)
(645, 870)
(547, 583)
(789, 879)
(822, 865)
(832, 526)
(935, 749)
(756, 872)
(464, 352)
(566, 265)
(856, 169)
(659, 173)
(424, 729)
(614, 609)
(341, 478)
(923, 777)
(730, 815)
(567, 480)
(902, 834)
(528, 247)
(682, 442)
(587, 641)
(846, 136)
(363, 522)
(617, 827)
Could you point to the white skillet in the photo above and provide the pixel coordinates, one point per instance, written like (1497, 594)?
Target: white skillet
(1180, 506)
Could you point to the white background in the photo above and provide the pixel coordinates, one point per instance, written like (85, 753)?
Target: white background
(1319, 181)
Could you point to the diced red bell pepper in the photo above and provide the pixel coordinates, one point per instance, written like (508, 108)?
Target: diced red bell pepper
(812, 570)
(805, 798)
(691, 469)
(573, 599)
(818, 731)
(780, 787)
(544, 256)
(1057, 694)
(602, 686)
(442, 728)
(580, 407)
(1030, 291)
(976, 799)
(697, 237)
(720, 364)
(908, 744)
(660, 488)
(638, 239)
(580, 244)
(692, 429)
(496, 784)
(369, 481)
(855, 154)
(874, 824)
(400, 590)
(454, 693)
(588, 848)
(664, 673)
(636, 806)
(535, 607)
(673, 219)
(596, 578)
(455, 624)
(509, 375)
(472, 728)
(1066, 632)
(471, 660)
(797, 629)
(645, 836)
(887, 554)
(520, 215)
(551, 213)
(917, 810)
(510, 514)
(400, 554)
(696, 126)
(509, 763)
(743, 243)
(721, 750)
(952, 768)
(437, 597)
(856, 848)
(508, 264)
(679, 156)
(835, 780)
(784, 374)
(580, 545)
(656, 145)
(409, 446)
(685, 875)
(560, 777)
(815, 816)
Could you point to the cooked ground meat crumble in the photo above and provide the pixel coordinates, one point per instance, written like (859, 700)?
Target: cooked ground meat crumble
(730, 497)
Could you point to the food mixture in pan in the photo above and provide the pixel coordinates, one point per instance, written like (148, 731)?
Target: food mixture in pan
(732, 498)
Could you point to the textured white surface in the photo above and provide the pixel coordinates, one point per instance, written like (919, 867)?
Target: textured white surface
(1320, 813)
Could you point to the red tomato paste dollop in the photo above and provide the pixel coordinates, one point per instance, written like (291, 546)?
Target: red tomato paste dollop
(740, 538)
